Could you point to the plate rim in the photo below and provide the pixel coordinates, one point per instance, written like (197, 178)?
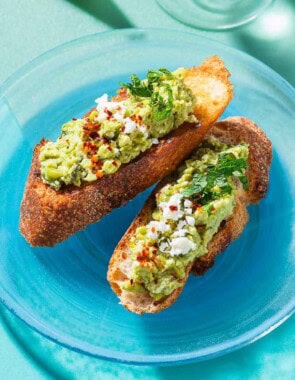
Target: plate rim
(131, 358)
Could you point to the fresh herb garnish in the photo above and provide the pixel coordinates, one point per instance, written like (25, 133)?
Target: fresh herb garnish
(154, 76)
(138, 88)
(202, 187)
(199, 183)
(162, 108)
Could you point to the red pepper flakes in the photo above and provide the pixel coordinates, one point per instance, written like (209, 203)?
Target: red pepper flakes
(95, 166)
(89, 147)
(99, 174)
(94, 158)
(196, 205)
(173, 208)
(136, 118)
(122, 95)
(109, 113)
(94, 135)
(110, 148)
(90, 130)
(114, 163)
(212, 209)
(91, 125)
(153, 229)
(200, 228)
(143, 255)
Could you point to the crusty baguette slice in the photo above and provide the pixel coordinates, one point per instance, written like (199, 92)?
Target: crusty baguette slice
(232, 130)
(48, 216)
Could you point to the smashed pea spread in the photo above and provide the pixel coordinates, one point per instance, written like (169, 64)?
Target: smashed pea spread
(118, 131)
(188, 213)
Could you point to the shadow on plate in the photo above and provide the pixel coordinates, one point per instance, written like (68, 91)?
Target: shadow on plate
(105, 11)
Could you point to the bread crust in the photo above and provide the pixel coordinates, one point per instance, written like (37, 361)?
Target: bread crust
(231, 131)
(48, 216)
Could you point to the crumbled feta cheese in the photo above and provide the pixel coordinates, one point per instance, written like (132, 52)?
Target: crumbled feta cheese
(103, 103)
(179, 233)
(159, 226)
(181, 224)
(154, 227)
(130, 125)
(163, 227)
(102, 100)
(172, 209)
(112, 106)
(143, 129)
(188, 210)
(152, 234)
(118, 116)
(190, 220)
(102, 116)
(187, 203)
(163, 246)
(155, 141)
(181, 246)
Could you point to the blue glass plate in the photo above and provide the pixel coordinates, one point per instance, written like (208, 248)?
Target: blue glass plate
(62, 292)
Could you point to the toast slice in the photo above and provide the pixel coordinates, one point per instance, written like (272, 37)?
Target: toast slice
(48, 217)
(230, 131)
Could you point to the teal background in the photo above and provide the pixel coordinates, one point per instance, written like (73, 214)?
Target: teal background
(29, 28)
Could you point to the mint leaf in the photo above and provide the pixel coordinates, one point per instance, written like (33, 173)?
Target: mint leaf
(162, 108)
(228, 163)
(155, 76)
(137, 87)
(203, 184)
(244, 181)
(198, 185)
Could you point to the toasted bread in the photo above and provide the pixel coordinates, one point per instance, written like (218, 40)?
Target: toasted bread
(48, 216)
(231, 131)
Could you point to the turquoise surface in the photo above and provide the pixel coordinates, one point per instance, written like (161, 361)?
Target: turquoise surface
(25, 354)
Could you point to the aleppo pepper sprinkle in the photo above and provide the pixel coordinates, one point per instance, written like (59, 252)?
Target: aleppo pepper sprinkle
(137, 119)
(99, 174)
(143, 255)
